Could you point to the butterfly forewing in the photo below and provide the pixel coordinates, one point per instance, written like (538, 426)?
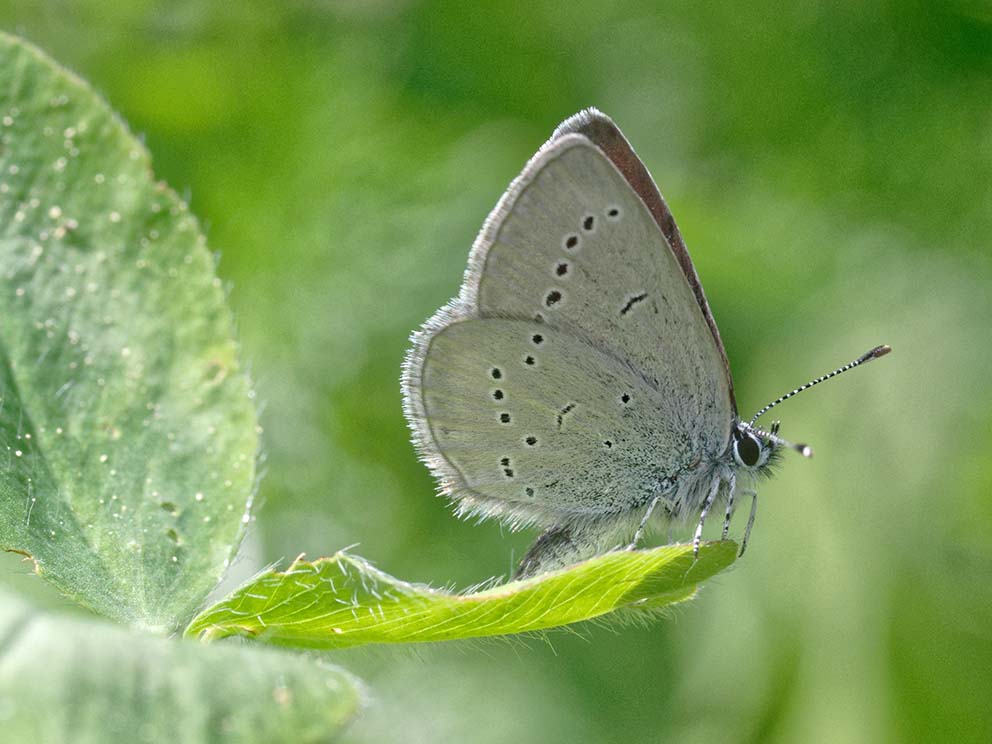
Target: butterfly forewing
(578, 250)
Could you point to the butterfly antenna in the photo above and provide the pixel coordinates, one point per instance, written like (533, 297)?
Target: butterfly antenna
(878, 351)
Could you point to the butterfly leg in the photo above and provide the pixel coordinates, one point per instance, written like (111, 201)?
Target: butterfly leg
(644, 521)
(731, 487)
(750, 520)
(710, 498)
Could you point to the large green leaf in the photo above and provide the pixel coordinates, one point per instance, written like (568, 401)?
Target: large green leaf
(127, 436)
(343, 601)
(69, 679)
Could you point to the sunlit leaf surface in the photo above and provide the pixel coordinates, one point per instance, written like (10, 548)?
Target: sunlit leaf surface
(343, 601)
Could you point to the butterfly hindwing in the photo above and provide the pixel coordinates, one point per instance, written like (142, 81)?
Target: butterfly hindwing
(536, 425)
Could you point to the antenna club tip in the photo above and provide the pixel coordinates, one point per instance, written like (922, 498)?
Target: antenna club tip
(805, 450)
(878, 351)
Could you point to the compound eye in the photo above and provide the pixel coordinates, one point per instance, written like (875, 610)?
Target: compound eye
(748, 450)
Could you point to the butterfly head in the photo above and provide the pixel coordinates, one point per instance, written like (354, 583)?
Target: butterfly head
(757, 450)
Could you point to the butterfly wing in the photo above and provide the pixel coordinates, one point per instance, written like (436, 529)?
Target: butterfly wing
(533, 423)
(574, 253)
(603, 133)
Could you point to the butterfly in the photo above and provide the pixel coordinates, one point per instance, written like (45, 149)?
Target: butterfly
(578, 381)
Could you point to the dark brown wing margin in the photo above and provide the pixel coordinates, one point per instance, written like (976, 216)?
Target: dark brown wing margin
(603, 133)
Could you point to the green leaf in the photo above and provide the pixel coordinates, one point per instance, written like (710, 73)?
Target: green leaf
(127, 436)
(69, 679)
(343, 601)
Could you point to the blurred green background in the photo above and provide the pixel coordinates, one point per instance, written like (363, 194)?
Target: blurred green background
(830, 165)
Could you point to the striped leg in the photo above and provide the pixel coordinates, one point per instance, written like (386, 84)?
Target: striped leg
(750, 520)
(644, 521)
(731, 487)
(710, 498)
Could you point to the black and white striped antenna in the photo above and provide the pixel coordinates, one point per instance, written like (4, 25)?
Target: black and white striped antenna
(878, 351)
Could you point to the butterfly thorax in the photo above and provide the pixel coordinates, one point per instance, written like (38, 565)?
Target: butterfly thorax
(750, 455)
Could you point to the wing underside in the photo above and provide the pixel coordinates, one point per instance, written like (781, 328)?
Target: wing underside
(571, 255)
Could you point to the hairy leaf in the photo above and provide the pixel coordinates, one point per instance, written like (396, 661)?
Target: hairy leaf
(343, 601)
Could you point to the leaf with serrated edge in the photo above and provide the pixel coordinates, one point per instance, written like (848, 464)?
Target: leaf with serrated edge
(343, 601)
(127, 435)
